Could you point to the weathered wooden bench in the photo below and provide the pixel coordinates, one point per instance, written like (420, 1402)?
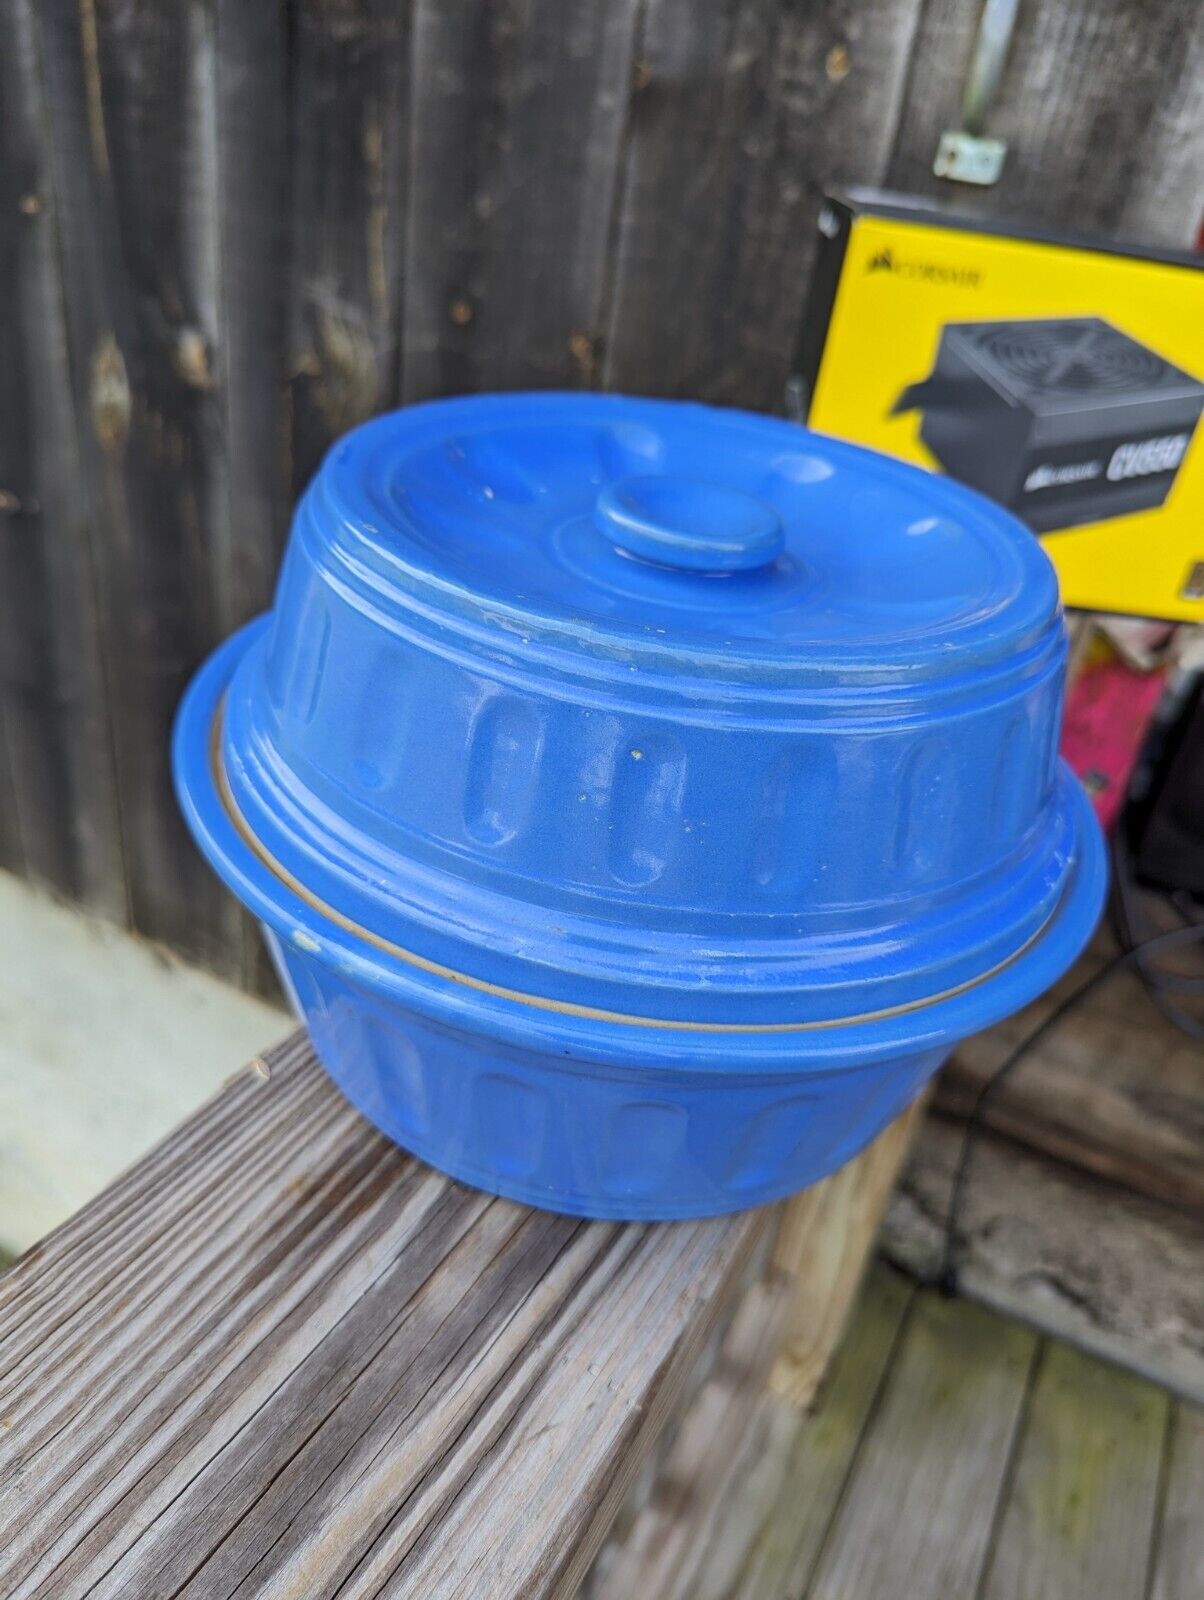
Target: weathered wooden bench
(281, 1358)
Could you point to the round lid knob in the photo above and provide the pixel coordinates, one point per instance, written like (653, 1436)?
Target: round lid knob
(689, 524)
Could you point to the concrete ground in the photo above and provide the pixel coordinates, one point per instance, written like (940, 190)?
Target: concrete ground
(105, 1044)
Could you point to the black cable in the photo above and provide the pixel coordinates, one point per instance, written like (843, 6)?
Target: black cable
(1187, 905)
(1158, 985)
(947, 1277)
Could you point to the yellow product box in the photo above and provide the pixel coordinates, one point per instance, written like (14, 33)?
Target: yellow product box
(1064, 380)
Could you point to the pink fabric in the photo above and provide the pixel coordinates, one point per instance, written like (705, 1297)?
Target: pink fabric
(1107, 713)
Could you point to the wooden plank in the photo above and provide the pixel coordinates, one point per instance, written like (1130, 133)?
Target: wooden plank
(12, 851)
(691, 1478)
(1120, 1095)
(244, 133)
(1083, 1260)
(1165, 200)
(933, 1461)
(243, 137)
(1102, 105)
(826, 1238)
(690, 1518)
(1179, 1560)
(744, 111)
(58, 819)
(18, 162)
(518, 112)
(350, 89)
(1080, 1512)
(281, 1357)
(746, 1521)
(129, 90)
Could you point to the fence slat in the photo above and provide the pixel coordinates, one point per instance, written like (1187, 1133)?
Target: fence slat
(129, 90)
(1102, 104)
(518, 112)
(249, 106)
(12, 851)
(248, 102)
(61, 789)
(350, 125)
(249, 226)
(17, 469)
(744, 111)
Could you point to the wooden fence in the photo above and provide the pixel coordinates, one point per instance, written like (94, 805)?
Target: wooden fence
(231, 228)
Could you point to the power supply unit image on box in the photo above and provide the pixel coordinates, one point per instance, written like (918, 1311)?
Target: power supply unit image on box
(1064, 421)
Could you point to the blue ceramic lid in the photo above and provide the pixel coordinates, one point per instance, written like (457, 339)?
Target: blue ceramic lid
(672, 712)
(686, 540)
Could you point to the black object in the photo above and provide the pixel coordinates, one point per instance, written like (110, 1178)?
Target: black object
(1132, 923)
(1166, 827)
(1063, 421)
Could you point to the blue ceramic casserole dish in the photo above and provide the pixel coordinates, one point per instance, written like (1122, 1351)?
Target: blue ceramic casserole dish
(640, 800)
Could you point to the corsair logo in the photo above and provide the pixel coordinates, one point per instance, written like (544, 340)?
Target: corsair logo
(940, 272)
(1136, 459)
(1049, 477)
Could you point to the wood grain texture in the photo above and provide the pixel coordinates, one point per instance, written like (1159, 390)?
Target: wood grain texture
(280, 1357)
(700, 1470)
(256, 224)
(744, 110)
(1098, 1492)
(1179, 1542)
(1081, 1259)
(1115, 1089)
(244, 60)
(1102, 105)
(1080, 1512)
(58, 818)
(933, 1461)
(741, 1508)
(825, 1240)
(12, 850)
(128, 92)
(518, 112)
(244, 118)
(348, 156)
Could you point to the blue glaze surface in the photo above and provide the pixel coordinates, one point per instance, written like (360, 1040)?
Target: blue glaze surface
(663, 712)
(689, 524)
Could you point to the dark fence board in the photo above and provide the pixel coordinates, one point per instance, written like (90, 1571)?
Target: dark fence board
(248, 97)
(1102, 104)
(1165, 198)
(744, 111)
(350, 93)
(132, 135)
(12, 852)
(18, 166)
(61, 797)
(254, 225)
(518, 111)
